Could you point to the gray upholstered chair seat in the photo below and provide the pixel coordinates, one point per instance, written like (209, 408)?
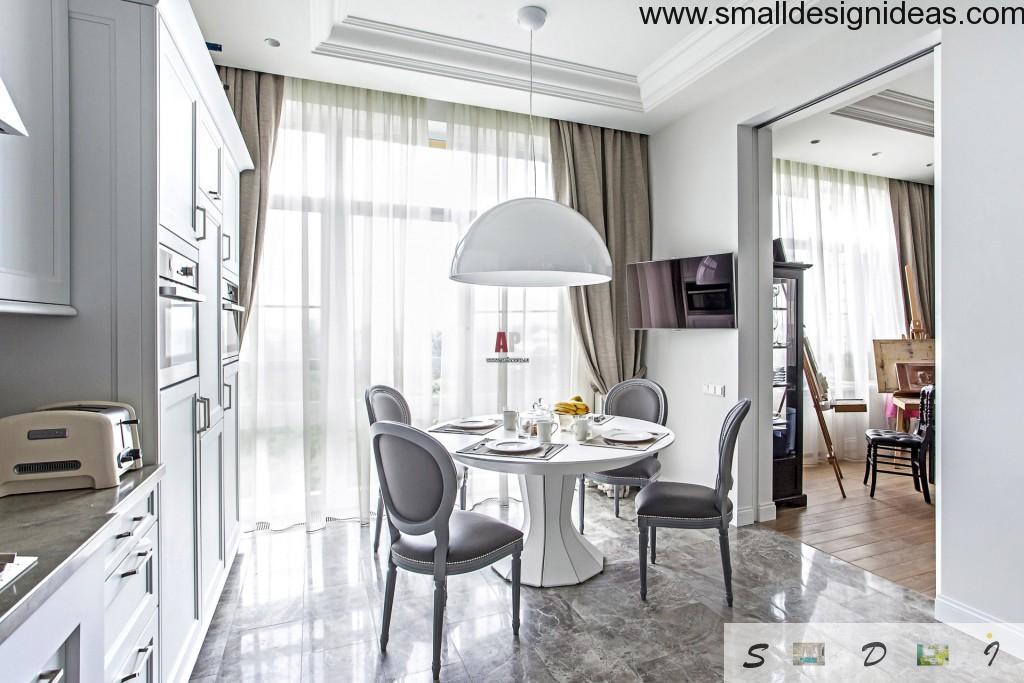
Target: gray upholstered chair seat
(675, 500)
(648, 468)
(473, 538)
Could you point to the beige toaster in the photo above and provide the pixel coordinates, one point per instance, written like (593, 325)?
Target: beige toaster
(85, 444)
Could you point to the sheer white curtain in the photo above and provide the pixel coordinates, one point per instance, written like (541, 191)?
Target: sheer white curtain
(841, 223)
(369, 198)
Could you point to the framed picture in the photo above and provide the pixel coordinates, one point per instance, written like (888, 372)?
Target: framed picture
(913, 377)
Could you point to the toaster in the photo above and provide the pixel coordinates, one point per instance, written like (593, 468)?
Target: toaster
(85, 444)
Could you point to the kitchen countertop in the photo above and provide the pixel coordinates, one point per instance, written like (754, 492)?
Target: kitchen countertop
(56, 527)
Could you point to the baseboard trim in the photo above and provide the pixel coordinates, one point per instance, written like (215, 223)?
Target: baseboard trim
(745, 516)
(766, 512)
(977, 624)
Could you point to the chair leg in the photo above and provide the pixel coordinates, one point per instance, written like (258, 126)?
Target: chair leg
(723, 542)
(462, 491)
(867, 465)
(380, 521)
(615, 489)
(643, 561)
(583, 493)
(516, 572)
(389, 601)
(440, 597)
(874, 469)
(654, 544)
(915, 470)
(921, 469)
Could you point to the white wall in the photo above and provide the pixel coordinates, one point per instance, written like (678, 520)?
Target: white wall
(694, 182)
(980, 327)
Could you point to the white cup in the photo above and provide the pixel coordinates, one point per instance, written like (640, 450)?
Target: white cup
(510, 420)
(581, 428)
(545, 430)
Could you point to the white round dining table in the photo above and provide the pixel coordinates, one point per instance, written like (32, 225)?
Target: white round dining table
(554, 552)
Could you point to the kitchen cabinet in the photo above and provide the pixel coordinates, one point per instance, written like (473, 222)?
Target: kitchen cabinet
(210, 375)
(177, 126)
(179, 543)
(229, 238)
(35, 193)
(211, 513)
(209, 158)
(232, 527)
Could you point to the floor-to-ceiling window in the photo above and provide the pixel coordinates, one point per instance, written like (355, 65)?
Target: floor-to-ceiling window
(370, 194)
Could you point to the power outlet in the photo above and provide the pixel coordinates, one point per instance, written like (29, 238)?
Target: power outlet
(714, 389)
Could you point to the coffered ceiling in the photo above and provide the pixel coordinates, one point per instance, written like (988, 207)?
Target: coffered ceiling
(595, 60)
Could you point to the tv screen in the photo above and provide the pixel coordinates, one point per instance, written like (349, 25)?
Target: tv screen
(693, 292)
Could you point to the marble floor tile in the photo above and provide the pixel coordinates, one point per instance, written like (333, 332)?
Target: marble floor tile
(308, 606)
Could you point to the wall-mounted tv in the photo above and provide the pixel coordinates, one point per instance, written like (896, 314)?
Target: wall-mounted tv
(693, 292)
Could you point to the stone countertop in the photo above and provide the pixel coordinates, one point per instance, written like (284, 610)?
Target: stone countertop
(56, 527)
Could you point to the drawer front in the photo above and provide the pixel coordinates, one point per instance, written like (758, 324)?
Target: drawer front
(129, 594)
(129, 527)
(140, 664)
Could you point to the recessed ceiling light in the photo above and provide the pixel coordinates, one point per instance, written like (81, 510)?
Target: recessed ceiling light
(876, 154)
(272, 42)
(815, 141)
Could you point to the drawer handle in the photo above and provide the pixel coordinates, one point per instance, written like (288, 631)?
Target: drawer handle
(54, 676)
(126, 534)
(145, 554)
(145, 653)
(138, 519)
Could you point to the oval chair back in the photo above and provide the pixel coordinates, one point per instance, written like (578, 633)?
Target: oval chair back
(417, 482)
(386, 403)
(726, 448)
(639, 398)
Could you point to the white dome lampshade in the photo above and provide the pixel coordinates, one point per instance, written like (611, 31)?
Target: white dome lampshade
(531, 242)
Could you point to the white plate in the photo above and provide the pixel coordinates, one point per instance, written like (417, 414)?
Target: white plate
(473, 424)
(625, 436)
(514, 446)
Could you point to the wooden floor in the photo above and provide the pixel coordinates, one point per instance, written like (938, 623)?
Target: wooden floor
(892, 535)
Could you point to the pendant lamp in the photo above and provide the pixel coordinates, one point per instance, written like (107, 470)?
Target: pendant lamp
(531, 242)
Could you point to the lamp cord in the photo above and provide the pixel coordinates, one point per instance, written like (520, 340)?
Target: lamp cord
(533, 155)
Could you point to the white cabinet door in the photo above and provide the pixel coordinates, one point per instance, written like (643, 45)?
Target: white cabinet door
(177, 143)
(231, 517)
(210, 379)
(179, 524)
(209, 156)
(211, 511)
(35, 268)
(229, 230)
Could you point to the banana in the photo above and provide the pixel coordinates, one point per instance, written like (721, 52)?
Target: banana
(574, 406)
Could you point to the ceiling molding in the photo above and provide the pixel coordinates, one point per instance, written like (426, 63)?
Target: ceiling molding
(400, 47)
(702, 51)
(894, 109)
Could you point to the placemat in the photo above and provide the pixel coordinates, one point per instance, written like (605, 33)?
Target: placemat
(599, 441)
(545, 453)
(451, 429)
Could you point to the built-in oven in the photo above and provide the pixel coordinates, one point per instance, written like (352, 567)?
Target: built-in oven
(231, 320)
(178, 311)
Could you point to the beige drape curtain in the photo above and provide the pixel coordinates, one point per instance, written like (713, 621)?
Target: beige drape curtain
(913, 212)
(255, 98)
(603, 174)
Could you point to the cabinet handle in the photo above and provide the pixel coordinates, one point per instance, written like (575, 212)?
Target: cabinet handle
(205, 402)
(200, 237)
(181, 294)
(226, 240)
(146, 652)
(142, 563)
(53, 676)
(234, 308)
(229, 393)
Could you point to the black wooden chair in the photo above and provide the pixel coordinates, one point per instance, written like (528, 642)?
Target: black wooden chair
(642, 399)
(909, 455)
(428, 536)
(386, 403)
(691, 506)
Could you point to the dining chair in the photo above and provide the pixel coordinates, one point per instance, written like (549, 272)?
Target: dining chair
(387, 403)
(642, 399)
(905, 451)
(691, 506)
(428, 536)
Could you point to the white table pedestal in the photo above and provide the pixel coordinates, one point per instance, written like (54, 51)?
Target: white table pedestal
(554, 552)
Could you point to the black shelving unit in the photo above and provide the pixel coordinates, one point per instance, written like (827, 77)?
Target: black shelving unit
(788, 384)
